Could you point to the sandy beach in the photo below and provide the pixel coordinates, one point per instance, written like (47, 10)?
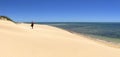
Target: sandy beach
(19, 40)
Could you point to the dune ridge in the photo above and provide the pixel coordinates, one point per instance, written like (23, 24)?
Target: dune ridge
(19, 40)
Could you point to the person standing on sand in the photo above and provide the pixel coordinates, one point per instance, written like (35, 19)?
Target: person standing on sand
(32, 24)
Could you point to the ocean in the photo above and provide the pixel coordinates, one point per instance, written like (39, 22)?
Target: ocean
(107, 31)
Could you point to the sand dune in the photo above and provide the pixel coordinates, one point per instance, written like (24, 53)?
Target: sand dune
(19, 40)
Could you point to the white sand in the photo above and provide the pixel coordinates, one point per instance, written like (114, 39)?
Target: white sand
(19, 40)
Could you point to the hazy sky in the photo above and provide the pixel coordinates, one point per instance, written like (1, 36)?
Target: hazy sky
(61, 10)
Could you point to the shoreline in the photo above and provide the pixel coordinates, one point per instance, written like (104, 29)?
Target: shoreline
(101, 41)
(89, 37)
(93, 38)
(97, 40)
(19, 40)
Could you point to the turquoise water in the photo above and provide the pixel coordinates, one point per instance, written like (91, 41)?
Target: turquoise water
(105, 31)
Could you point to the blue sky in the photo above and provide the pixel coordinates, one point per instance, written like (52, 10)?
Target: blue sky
(61, 10)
